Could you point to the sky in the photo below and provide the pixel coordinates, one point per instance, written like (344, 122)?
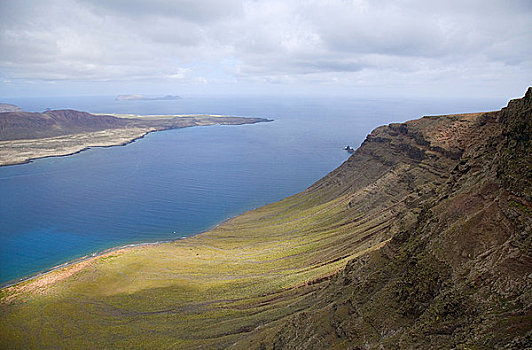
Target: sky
(361, 48)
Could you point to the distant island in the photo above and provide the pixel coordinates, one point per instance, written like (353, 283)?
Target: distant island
(26, 135)
(136, 97)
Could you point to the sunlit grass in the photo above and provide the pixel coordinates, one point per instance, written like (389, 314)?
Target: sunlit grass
(203, 290)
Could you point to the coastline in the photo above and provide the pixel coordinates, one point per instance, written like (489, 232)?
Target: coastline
(68, 150)
(113, 137)
(125, 143)
(23, 151)
(103, 253)
(97, 254)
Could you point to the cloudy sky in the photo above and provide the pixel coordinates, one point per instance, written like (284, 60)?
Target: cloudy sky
(366, 48)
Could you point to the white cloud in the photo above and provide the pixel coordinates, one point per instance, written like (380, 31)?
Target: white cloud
(348, 44)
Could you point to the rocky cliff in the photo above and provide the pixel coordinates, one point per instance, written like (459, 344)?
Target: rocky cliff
(457, 271)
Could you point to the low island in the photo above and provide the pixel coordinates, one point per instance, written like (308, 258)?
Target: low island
(139, 97)
(25, 136)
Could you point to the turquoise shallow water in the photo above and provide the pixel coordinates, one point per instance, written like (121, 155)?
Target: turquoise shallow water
(176, 183)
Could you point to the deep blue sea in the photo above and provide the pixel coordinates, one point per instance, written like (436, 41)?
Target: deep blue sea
(177, 183)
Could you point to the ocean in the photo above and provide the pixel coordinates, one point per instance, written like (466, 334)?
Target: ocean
(176, 183)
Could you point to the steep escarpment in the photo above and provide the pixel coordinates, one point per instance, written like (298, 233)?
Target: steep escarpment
(515, 157)
(421, 239)
(457, 274)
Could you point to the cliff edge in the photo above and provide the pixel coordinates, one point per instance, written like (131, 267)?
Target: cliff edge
(457, 273)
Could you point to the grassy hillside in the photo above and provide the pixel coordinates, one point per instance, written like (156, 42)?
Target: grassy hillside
(401, 245)
(207, 289)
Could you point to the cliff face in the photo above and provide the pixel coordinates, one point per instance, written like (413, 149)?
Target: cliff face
(457, 272)
(515, 158)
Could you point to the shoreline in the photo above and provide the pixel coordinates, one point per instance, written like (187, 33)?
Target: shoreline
(33, 276)
(118, 144)
(98, 139)
(94, 255)
(97, 254)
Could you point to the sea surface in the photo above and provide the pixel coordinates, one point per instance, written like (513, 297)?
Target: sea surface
(181, 182)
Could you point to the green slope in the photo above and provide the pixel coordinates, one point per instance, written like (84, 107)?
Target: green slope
(207, 289)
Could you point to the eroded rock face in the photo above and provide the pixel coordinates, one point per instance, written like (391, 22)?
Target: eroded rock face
(514, 168)
(457, 272)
